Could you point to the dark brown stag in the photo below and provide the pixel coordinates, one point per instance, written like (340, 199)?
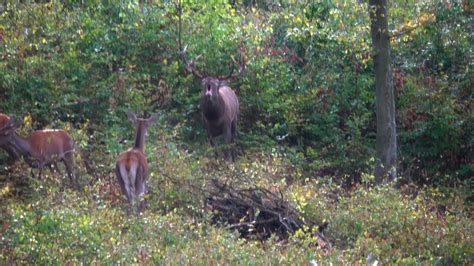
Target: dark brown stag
(41, 148)
(219, 103)
(132, 166)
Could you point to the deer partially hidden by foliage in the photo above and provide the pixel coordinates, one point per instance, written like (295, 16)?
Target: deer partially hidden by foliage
(132, 166)
(41, 148)
(12, 156)
(219, 104)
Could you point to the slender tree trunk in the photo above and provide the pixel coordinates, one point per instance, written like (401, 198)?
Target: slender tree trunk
(386, 143)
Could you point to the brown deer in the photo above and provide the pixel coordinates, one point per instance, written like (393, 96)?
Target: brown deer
(132, 166)
(12, 155)
(41, 148)
(219, 104)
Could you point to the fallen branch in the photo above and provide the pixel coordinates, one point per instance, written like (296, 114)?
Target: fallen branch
(257, 212)
(254, 212)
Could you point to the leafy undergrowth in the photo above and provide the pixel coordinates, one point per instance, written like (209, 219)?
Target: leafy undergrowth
(44, 224)
(307, 95)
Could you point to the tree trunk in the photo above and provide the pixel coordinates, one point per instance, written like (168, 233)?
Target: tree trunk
(386, 143)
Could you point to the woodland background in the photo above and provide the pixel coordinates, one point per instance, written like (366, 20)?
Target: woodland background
(307, 129)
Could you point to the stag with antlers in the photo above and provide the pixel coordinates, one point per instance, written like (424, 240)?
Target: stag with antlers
(219, 104)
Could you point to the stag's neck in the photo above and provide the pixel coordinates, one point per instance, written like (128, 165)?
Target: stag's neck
(21, 145)
(213, 110)
(140, 139)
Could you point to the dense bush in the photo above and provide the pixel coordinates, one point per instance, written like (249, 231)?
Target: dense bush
(392, 226)
(308, 84)
(307, 126)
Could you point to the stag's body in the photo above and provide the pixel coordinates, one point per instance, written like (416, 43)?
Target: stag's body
(41, 148)
(12, 154)
(220, 111)
(219, 104)
(132, 166)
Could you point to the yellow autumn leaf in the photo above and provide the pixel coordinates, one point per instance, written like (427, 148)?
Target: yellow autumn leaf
(27, 120)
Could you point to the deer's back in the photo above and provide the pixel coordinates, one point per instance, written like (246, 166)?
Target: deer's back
(131, 159)
(50, 142)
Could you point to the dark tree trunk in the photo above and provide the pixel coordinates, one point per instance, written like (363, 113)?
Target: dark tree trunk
(386, 143)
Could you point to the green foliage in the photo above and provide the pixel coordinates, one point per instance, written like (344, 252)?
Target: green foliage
(307, 87)
(395, 226)
(434, 98)
(307, 126)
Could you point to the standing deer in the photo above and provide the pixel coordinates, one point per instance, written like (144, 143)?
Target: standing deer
(41, 148)
(219, 104)
(132, 166)
(12, 154)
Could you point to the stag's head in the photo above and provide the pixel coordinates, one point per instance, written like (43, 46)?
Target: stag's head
(210, 88)
(211, 83)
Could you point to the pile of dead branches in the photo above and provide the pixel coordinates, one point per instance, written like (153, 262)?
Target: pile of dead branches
(256, 212)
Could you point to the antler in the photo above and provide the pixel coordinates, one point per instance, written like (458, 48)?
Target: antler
(190, 66)
(241, 64)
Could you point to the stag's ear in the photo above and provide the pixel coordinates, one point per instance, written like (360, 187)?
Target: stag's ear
(131, 116)
(152, 119)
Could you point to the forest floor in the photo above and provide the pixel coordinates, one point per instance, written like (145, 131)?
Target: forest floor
(44, 223)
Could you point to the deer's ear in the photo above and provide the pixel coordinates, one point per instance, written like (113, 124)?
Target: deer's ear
(152, 119)
(14, 123)
(131, 116)
(11, 126)
(9, 123)
(17, 123)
